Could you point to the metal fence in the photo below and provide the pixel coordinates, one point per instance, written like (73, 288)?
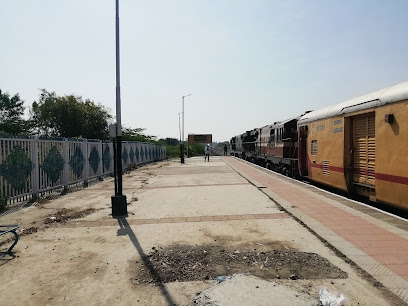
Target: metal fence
(30, 167)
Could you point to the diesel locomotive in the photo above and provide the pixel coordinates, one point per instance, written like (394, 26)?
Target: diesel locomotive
(359, 146)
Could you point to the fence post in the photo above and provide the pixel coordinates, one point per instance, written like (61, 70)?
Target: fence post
(35, 173)
(100, 150)
(86, 166)
(137, 153)
(111, 160)
(65, 152)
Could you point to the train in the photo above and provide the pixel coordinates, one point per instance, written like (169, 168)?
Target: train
(359, 146)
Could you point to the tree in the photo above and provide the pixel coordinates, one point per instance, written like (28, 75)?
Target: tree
(69, 116)
(169, 141)
(136, 134)
(95, 122)
(11, 112)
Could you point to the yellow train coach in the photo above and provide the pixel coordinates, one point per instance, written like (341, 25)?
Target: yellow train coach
(360, 145)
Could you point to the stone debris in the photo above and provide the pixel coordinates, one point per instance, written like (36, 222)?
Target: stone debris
(191, 263)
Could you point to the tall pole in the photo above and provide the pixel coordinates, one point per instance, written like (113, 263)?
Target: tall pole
(182, 125)
(119, 206)
(118, 106)
(180, 143)
(179, 127)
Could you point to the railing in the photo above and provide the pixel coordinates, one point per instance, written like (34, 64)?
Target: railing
(30, 167)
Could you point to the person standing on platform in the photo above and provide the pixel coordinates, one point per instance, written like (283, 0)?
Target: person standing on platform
(207, 152)
(225, 150)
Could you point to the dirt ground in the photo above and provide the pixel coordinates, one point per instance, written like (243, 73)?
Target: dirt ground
(72, 251)
(206, 262)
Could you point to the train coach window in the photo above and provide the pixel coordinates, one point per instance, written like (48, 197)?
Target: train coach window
(279, 134)
(313, 147)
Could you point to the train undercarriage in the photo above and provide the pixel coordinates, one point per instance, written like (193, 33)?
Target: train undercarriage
(285, 166)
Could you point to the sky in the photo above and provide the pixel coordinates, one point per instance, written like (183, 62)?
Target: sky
(246, 63)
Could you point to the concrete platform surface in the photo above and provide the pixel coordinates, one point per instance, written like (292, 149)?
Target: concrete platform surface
(92, 258)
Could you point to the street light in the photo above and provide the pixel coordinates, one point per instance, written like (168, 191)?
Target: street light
(179, 128)
(119, 206)
(182, 124)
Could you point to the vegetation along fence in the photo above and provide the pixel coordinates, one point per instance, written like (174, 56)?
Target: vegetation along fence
(30, 167)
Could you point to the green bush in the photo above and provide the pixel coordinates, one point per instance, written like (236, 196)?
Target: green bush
(196, 149)
(173, 151)
(193, 150)
(3, 203)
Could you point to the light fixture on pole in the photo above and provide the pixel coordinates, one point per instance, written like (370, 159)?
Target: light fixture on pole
(182, 124)
(119, 206)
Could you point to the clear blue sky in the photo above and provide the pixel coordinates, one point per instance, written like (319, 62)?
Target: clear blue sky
(246, 63)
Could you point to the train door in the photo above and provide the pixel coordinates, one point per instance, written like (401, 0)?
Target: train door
(363, 162)
(348, 152)
(302, 151)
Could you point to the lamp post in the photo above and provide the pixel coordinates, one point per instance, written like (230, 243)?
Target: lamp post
(179, 128)
(182, 124)
(119, 206)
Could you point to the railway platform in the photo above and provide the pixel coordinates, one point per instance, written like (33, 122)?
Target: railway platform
(375, 241)
(191, 225)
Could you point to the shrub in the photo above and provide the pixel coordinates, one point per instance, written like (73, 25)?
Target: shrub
(3, 203)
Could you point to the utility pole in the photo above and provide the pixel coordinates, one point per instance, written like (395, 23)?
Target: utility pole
(119, 205)
(182, 124)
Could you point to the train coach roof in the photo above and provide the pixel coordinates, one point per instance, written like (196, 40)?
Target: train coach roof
(280, 124)
(384, 96)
